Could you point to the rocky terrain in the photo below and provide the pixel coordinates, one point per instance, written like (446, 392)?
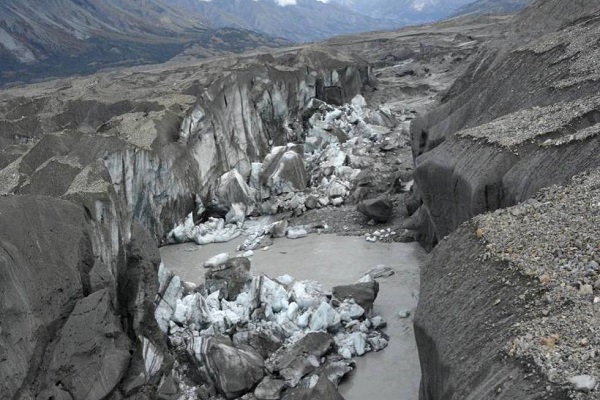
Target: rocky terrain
(519, 282)
(97, 171)
(126, 155)
(67, 37)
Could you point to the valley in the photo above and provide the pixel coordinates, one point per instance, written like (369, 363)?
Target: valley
(253, 225)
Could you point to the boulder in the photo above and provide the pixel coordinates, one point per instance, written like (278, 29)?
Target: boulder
(300, 358)
(233, 370)
(279, 228)
(312, 202)
(273, 295)
(283, 170)
(323, 390)
(269, 389)
(216, 261)
(236, 214)
(192, 309)
(337, 188)
(364, 293)
(336, 368)
(265, 340)
(378, 209)
(232, 188)
(230, 278)
(359, 102)
(308, 294)
(324, 318)
(296, 233)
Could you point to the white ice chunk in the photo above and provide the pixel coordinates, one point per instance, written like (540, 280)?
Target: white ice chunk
(217, 260)
(325, 317)
(273, 295)
(360, 342)
(308, 294)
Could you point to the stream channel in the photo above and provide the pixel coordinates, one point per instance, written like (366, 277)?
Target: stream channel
(390, 374)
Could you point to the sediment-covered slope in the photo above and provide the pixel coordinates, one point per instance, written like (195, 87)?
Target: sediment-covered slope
(461, 175)
(505, 300)
(509, 301)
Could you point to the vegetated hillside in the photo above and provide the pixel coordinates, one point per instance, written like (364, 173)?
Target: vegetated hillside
(492, 7)
(305, 20)
(40, 39)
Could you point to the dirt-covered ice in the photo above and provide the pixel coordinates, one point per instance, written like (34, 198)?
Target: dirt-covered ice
(333, 260)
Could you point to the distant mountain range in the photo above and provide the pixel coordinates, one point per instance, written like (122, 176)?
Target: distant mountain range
(43, 38)
(492, 7)
(295, 20)
(405, 12)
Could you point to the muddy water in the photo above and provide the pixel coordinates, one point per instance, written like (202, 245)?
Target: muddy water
(391, 374)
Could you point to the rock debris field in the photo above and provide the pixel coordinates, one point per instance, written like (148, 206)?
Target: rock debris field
(337, 154)
(276, 336)
(554, 240)
(294, 330)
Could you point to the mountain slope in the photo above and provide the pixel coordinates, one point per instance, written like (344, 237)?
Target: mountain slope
(405, 11)
(40, 38)
(493, 7)
(299, 20)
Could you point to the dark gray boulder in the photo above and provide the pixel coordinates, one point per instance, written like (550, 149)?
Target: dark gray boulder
(233, 370)
(363, 293)
(379, 209)
(230, 277)
(301, 358)
(269, 389)
(279, 228)
(323, 390)
(265, 341)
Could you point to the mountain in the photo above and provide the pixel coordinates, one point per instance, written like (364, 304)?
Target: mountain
(405, 12)
(41, 38)
(45, 38)
(492, 7)
(296, 20)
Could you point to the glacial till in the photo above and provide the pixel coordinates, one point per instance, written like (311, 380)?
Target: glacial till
(554, 239)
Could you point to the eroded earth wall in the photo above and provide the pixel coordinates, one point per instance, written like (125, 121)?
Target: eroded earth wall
(524, 117)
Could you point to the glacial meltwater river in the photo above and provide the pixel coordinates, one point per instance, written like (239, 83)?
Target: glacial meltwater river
(392, 374)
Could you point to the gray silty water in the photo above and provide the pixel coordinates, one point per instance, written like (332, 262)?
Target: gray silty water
(391, 374)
